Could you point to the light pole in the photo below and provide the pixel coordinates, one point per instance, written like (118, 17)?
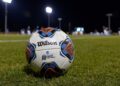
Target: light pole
(48, 11)
(109, 20)
(6, 11)
(69, 27)
(59, 19)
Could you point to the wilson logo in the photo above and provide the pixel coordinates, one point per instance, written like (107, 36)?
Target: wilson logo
(44, 43)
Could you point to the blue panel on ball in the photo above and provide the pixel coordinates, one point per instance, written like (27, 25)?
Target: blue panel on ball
(49, 34)
(63, 46)
(46, 32)
(43, 34)
(67, 49)
(30, 52)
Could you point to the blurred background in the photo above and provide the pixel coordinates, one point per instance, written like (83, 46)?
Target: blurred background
(68, 15)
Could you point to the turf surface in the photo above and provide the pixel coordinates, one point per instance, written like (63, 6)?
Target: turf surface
(97, 63)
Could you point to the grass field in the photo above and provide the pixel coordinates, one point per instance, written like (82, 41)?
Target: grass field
(97, 63)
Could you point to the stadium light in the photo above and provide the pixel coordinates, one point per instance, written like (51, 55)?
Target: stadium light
(59, 19)
(6, 11)
(48, 11)
(7, 1)
(109, 20)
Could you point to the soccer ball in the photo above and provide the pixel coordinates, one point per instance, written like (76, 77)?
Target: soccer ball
(50, 52)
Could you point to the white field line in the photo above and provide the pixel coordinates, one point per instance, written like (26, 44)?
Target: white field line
(3, 41)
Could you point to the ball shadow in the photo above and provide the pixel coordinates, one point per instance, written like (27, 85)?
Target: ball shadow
(30, 72)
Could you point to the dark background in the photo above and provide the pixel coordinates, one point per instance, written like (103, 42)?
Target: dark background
(90, 14)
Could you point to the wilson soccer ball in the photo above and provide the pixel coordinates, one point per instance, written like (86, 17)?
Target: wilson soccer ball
(50, 52)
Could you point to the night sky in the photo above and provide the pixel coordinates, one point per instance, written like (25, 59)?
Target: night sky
(90, 14)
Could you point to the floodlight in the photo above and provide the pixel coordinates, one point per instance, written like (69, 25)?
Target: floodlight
(7, 1)
(48, 10)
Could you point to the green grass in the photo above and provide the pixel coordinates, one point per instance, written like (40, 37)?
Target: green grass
(13, 37)
(97, 63)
